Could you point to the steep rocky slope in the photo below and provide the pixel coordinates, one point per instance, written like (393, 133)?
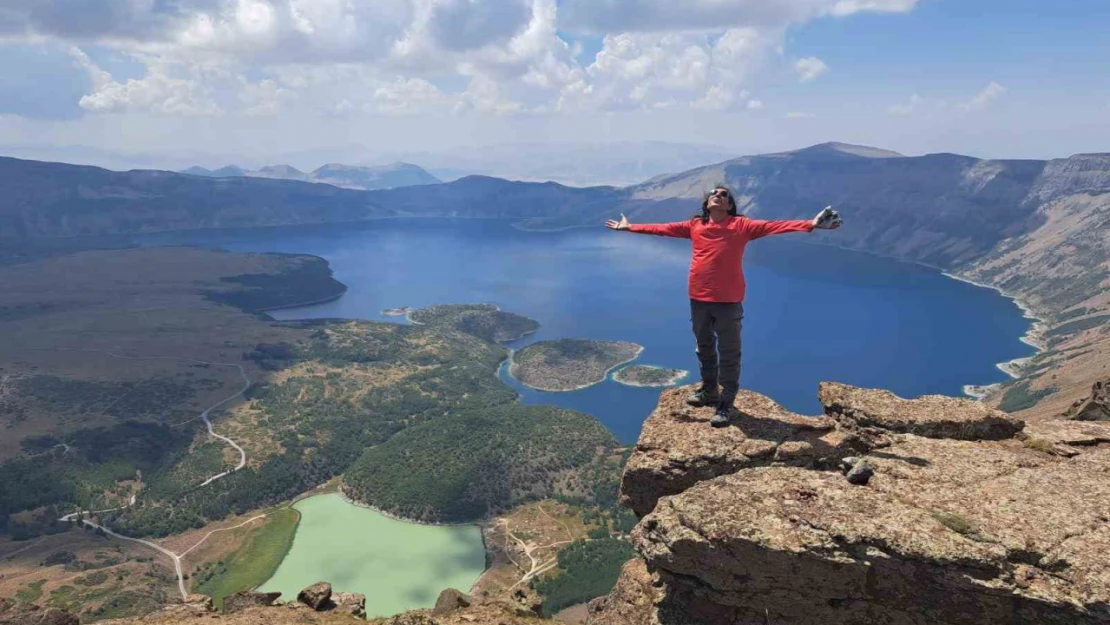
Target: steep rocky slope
(963, 515)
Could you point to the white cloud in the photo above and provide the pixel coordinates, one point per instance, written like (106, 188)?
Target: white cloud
(328, 57)
(406, 97)
(979, 101)
(600, 16)
(798, 115)
(906, 109)
(809, 68)
(755, 105)
(157, 92)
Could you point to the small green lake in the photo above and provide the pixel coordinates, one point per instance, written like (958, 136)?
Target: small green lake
(399, 566)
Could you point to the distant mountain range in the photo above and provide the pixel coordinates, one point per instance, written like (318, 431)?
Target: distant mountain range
(1036, 229)
(346, 176)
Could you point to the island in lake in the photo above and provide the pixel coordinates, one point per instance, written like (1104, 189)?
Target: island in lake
(570, 364)
(482, 320)
(648, 375)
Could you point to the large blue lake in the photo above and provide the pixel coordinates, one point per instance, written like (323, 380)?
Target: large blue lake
(812, 313)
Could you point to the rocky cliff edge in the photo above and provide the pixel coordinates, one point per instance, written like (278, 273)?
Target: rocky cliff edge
(931, 511)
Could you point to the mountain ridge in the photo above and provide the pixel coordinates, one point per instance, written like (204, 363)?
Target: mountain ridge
(365, 178)
(1030, 228)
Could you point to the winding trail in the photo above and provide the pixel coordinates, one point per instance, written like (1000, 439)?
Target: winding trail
(176, 558)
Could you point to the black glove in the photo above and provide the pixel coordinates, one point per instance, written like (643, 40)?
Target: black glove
(828, 219)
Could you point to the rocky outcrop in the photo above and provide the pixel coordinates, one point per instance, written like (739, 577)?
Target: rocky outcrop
(956, 524)
(932, 416)
(352, 603)
(249, 599)
(316, 596)
(1093, 408)
(450, 600)
(668, 460)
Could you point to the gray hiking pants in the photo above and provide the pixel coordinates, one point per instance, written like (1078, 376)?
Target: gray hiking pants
(717, 331)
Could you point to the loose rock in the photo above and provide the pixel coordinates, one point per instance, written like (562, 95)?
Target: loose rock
(316, 596)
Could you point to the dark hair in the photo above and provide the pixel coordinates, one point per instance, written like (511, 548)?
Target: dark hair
(704, 214)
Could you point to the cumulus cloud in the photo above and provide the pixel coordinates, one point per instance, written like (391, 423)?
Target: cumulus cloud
(980, 100)
(809, 68)
(396, 56)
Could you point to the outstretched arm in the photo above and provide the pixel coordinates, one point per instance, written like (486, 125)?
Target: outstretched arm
(678, 229)
(827, 219)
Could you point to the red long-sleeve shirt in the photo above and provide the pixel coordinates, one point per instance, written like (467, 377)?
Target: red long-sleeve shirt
(717, 266)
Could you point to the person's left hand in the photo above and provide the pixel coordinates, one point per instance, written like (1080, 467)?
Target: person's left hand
(828, 219)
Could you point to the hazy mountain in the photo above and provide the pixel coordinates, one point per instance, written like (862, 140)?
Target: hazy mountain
(616, 163)
(346, 176)
(380, 177)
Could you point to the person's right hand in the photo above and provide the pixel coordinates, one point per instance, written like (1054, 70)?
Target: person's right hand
(618, 225)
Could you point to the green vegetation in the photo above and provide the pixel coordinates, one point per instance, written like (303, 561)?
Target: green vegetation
(955, 522)
(1018, 397)
(568, 364)
(323, 422)
(308, 281)
(123, 604)
(481, 320)
(476, 462)
(254, 562)
(31, 593)
(587, 569)
(647, 375)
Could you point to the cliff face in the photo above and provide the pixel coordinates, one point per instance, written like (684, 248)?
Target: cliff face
(951, 513)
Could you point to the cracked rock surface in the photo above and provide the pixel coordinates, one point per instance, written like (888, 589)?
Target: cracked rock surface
(958, 524)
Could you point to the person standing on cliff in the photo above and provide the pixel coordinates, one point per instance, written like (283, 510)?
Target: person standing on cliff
(719, 236)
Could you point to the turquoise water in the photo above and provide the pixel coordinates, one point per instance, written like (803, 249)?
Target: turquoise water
(813, 312)
(399, 566)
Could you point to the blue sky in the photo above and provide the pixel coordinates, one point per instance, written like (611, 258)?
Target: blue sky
(250, 79)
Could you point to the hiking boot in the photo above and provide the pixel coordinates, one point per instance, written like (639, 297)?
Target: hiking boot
(703, 397)
(722, 416)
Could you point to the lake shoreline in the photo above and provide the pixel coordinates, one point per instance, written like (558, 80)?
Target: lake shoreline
(1033, 337)
(676, 377)
(605, 375)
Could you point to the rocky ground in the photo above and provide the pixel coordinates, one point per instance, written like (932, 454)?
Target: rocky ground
(927, 511)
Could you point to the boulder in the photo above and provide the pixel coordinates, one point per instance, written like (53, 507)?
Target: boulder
(249, 599)
(450, 600)
(1096, 407)
(678, 448)
(316, 596)
(350, 603)
(932, 416)
(860, 473)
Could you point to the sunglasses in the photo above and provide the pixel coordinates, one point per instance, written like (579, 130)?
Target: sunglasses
(721, 193)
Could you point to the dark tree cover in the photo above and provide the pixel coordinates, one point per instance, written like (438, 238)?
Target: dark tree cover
(476, 462)
(481, 320)
(587, 569)
(308, 281)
